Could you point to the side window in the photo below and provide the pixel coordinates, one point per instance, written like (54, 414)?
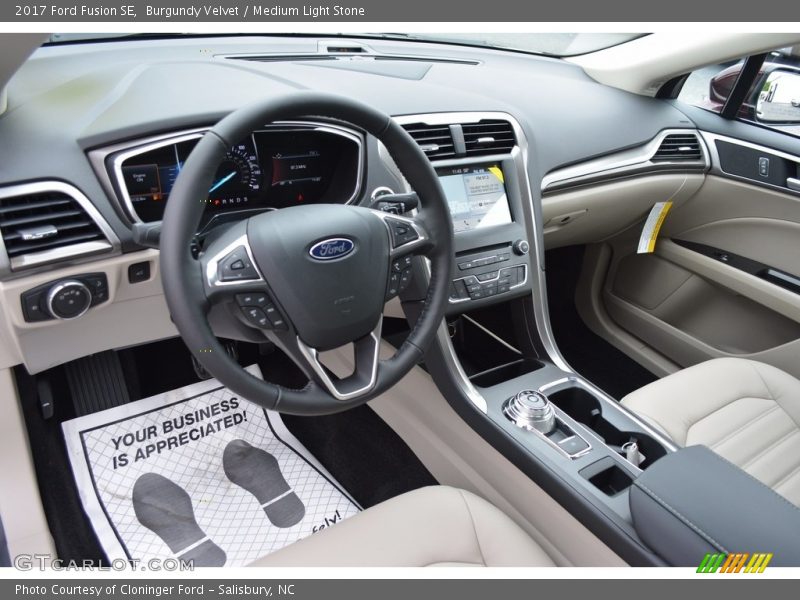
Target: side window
(772, 100)
(710, 86)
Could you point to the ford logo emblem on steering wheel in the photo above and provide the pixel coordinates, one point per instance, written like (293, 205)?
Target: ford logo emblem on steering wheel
(332, 248)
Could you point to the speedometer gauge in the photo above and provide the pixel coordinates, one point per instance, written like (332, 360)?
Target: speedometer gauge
(238, 178)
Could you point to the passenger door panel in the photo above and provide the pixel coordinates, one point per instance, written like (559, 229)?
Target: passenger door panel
(721, 280)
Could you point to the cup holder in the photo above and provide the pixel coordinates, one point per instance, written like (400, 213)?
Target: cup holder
(585, 408)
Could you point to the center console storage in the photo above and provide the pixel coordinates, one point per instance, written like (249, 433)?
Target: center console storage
(486, 358)
(609, 425)
(570, 437)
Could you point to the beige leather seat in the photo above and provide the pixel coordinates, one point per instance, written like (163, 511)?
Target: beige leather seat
(746, 411)
(430, 527)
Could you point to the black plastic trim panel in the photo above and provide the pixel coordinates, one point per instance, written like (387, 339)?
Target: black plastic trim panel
(778, 277)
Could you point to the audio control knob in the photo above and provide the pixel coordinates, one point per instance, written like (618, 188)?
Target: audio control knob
(531, 410)
(521, 247)
(68, 299)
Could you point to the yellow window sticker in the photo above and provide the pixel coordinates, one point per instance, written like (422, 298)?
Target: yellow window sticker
(647, 241)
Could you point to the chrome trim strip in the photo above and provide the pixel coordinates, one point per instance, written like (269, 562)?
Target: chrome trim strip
(212, 266)
(154, 145)
(450, 118)
(553, 444)
(125, 150)
(16, 264)
(54, 255)
(370, 55)
(491, 334)
(625, 163)
(312, 356)
(716, 166)
(452, 363)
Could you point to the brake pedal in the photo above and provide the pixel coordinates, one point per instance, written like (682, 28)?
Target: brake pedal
(200, 370)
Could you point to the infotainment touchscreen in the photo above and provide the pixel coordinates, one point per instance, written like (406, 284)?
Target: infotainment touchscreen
(476, 195)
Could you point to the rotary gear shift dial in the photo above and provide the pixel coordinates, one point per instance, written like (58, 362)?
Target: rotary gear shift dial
(531, 410)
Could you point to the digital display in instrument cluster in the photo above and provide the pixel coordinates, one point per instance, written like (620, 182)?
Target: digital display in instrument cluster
(273, 168)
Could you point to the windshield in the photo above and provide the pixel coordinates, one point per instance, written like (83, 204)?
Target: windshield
(552, 44)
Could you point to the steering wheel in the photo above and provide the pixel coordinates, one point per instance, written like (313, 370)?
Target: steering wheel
(309, 278)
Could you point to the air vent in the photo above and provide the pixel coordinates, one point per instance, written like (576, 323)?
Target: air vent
(436, 141)
(488, 137)
(38, 221)
(679, 147)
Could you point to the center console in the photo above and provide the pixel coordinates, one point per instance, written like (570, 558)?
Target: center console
(492, 253)
(495, 359)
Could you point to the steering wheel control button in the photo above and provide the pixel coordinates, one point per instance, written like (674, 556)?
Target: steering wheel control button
(257, 299)
(405, 279)
(394, 286)
(236, 266)
(531, 410)
(276, 320)
(401, 264)
(256, 316)
(402, 232)
(69, 299)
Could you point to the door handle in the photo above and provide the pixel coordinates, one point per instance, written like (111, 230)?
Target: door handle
(793, 184)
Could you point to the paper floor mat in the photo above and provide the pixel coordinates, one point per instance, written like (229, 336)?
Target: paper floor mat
(199, 474)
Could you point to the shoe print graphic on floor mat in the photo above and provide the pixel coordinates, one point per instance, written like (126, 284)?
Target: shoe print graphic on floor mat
(258, 472)
(165, 508)
(279, 495)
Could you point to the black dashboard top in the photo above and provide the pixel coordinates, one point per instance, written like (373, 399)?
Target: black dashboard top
(68, 100)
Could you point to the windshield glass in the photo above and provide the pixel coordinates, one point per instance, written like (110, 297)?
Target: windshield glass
(552, 44)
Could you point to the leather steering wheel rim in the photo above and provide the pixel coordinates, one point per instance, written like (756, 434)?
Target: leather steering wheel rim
(183, 278)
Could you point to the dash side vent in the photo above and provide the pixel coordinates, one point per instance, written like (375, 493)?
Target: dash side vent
(489, 137)
(679, 147)
(44, 221)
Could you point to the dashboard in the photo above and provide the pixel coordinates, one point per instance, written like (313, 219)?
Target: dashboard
(279, 166)
(86, 139)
